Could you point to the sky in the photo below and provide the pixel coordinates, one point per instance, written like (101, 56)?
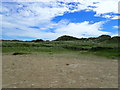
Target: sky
(50, 19)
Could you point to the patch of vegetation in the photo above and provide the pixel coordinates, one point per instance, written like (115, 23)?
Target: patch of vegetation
(19, 53)
(109, 53)
(38, 40)
(66, 38)
(102, 46)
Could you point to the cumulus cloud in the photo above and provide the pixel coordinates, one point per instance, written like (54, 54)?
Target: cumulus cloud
(116, 27)
(84, 29)
(116, 17)
(58, 7)
(33, 19)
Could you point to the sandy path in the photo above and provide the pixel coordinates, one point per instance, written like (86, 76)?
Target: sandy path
(59, 71)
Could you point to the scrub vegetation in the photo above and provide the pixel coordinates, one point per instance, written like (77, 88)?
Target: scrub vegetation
(103, 45)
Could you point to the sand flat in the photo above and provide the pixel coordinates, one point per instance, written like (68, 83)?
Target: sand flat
(59, 71)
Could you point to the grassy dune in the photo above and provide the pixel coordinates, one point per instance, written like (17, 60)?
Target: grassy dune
(109, 50)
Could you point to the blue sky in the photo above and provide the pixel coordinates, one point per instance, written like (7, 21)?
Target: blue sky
(49, 19)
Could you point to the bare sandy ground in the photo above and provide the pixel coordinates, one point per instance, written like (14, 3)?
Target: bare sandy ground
(58, 71)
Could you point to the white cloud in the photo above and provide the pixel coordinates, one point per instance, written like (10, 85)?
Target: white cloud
(20, 16)
(84, 29)
(116, 17)
(116, 27)
(99, 6)
(116, 34)
(106, 6)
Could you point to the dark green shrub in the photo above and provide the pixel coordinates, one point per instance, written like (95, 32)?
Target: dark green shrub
(104, 38)
(19, 53)
(66, 38)
(38, 40)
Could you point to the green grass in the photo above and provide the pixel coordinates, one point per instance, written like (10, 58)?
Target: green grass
(109, 50)
(112, 54)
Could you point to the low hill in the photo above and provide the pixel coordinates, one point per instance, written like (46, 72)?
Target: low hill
(102, 38)
(66, 38)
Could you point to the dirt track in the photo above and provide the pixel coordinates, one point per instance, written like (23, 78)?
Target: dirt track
(59, 71)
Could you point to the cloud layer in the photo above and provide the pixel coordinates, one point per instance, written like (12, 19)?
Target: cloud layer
(33, 19)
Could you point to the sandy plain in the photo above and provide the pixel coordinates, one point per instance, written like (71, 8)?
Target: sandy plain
(65, 70)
